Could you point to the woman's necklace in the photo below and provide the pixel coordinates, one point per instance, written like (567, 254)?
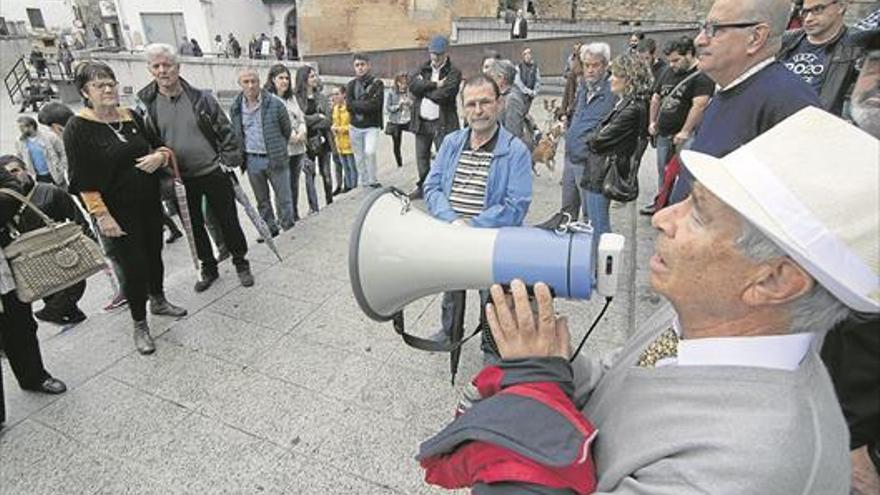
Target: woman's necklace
(118, 131)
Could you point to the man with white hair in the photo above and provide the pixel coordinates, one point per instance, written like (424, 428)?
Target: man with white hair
(515, 109)
(190, 122)
(722, 391)
(736, 48)
(593, 102)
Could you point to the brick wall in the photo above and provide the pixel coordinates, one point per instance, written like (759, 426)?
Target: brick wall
(665, 10)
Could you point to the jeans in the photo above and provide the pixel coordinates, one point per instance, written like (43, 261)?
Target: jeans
(261, 174)
(573, 195)
(447, 312)
(217, 188)
(665, 150)
(597, 205)
(349, 170)
(363, 142)
(431, 133)
(303, 164)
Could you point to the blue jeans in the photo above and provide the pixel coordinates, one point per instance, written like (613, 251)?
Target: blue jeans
(349, 170)
(261, 175)
(302, 164)
(665, 150)
(363, 143)
(597, 204)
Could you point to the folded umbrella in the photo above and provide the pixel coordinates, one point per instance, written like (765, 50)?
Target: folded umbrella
(256, 219)
(183, 207)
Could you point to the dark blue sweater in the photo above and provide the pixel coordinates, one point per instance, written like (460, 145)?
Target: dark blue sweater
(744, 112)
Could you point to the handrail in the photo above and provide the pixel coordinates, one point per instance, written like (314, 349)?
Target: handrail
(17, 76)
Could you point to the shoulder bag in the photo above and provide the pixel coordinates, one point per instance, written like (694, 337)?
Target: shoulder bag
(51, 258)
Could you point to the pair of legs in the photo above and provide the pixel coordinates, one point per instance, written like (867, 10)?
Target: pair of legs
(363, 143)
(216, 188)
(302, 164)
(18, 329)
(431, 133)
(345, 162)
(61, 307)
(262, 175)
(397, 140)
(573, 195)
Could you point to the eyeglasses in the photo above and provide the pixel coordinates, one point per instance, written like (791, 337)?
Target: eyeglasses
(711, 28)
(816, 9)
(104, 85)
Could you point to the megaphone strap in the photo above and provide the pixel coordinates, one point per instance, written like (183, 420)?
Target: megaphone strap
(426, 344)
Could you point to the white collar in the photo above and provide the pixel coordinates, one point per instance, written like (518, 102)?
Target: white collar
(782, 352)
(747, 74)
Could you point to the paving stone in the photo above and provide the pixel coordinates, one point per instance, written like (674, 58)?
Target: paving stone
(264, 308)
(175, 373)
(222, 336)
(303, 284)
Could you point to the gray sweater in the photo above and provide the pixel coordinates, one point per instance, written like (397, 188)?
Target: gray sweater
(711, 430)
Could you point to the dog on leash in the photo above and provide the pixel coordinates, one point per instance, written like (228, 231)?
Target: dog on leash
(545, 150)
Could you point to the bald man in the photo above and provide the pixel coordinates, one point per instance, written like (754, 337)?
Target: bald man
(736, 48)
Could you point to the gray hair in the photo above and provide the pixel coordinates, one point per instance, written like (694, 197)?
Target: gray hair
(816, 311)
(164, 50)
(502, 70)
(248, 69)
(596, 49)
(775, 13)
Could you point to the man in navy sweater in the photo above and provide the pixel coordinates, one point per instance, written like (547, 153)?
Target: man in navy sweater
(736, 48)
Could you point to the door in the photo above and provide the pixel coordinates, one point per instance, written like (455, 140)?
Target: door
(164, 28)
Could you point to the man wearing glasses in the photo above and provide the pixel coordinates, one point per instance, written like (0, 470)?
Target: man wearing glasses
(736, 48)
(818, 54)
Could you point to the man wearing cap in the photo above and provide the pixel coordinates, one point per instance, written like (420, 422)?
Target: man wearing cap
(817, 52)
(852, 350)
(722, 391)
(736, 49)
(435, 114)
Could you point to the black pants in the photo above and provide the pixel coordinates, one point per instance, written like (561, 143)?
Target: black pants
(322, 160)
(217, 188)
(139, 254)
(431, 132)
(64, 302)
(397, 139)
(18, 329)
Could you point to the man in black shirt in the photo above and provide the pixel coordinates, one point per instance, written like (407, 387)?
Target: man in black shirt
(681, 94)
(647, 52)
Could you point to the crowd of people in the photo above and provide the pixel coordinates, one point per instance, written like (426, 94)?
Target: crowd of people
(752, 300)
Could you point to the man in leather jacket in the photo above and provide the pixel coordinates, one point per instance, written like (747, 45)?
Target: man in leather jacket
(818, 53)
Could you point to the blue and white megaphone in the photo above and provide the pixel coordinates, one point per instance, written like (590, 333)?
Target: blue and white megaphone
(399, 254)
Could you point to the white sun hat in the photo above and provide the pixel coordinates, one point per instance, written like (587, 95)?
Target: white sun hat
(812, 185)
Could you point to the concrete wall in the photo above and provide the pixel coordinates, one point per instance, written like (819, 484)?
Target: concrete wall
(492, 30)
(218, 75)
(57, 14)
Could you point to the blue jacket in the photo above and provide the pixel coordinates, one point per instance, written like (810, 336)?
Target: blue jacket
(276, 126)
(586, 118)
(509, 186)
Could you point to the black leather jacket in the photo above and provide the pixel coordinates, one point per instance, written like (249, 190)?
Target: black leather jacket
(618, 135)
(211, 119)
(421, 86)
(8, 205)
(841, 71)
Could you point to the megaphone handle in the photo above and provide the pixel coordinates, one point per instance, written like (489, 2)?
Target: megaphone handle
(425, 344)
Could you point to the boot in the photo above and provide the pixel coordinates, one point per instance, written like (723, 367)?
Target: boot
(143, 342)
(160, 306)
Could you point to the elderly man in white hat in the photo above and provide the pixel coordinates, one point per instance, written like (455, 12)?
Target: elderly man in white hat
(723, 391)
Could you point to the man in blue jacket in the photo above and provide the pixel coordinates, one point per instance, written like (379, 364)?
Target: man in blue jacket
(480, 178)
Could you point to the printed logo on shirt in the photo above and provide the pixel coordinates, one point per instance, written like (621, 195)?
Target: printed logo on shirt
(806, 65)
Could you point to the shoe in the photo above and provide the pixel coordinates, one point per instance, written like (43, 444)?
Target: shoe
(74, 317)
(440, 336)
(206, 281)
(118, 301)
(143, 341)
(416, 194)
(345, 190)
(49, 317)
(313, 212)
(50, 385)
(173, 236)
(160, 306)
(337, 191)
(647, 210)
(245, 276)
(376, 185)
(553, 222)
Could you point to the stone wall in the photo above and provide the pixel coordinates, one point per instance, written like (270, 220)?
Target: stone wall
(334, 27)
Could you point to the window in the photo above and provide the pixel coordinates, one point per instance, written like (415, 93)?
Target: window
(36, 18)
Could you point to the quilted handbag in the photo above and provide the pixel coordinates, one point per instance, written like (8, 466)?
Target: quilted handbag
(51, 258)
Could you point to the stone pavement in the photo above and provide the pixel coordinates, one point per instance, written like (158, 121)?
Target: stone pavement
(285, 387)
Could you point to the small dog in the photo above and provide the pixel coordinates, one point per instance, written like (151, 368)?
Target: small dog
(545, 151)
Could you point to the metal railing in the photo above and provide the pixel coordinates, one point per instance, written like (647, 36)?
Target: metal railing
(17, 79)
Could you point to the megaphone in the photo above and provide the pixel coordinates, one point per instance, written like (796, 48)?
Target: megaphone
(399, 254)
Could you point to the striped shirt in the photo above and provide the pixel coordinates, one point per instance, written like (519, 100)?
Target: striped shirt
(468, 195)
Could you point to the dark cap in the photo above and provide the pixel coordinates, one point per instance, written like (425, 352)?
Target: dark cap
(438, 45)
